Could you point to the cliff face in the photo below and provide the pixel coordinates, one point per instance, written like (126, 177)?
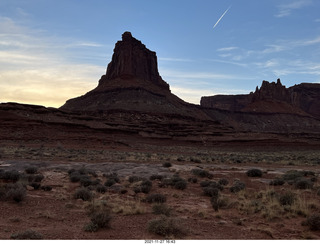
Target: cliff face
(132, 83)
(131, 59)
(302, 99)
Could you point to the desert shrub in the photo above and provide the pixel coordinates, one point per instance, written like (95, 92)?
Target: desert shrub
(195, 160)
(70, 171)
(11, 175)
(35, 178)
(75, 176)
(161, 209)
(303, 183)
(237, 186)
(144, 187)
(85, 180)
(218, 202)
(156, 177)
(83, 193)
(110, 182)
(204, 183)
(287, 198)
(113, 176)
(192, 180)
(223, 182)
(27, 235)
(134, 178)
(46, 188)
(101, 219)
(181, 184)
(16, 192)
(292, 175)
(35, 185)
(166, 227)
(82, 171)
(277, 182)
(31, 170)
(201, 173)
(313, 222)
(156, 198)
(167, 165)
(101, 189)
(254, 173)
(210, 191)
(211, 184)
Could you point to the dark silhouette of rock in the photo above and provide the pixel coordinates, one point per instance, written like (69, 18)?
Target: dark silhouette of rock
(131, 59)
(272, 97)
(132, 83)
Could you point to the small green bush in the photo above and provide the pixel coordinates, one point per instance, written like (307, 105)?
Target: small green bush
(83, 193)
(254, 173)
(156, 198)
(167, 227)
(27, 235)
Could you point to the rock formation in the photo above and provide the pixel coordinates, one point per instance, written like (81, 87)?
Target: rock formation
(131, 59)
(272, 97)
(132, 83)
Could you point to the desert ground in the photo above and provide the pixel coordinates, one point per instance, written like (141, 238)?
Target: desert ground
(167, 192)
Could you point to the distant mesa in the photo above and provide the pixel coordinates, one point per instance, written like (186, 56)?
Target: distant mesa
(272, 97)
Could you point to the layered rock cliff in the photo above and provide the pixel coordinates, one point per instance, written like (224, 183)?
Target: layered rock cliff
(132, 83)
(271, 97)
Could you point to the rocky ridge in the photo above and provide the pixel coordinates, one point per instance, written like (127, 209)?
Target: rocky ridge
(271, 97)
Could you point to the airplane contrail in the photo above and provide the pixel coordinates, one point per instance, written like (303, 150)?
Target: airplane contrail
(221, 17)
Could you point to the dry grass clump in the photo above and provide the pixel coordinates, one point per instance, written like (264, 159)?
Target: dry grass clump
(167, 227)
(161, 209)
(27, 235)
(83, 193)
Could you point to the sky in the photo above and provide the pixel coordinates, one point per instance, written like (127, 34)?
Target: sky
(54, 50)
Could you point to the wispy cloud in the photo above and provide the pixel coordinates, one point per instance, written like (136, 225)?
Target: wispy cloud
(41, 69)
(227, 49)
(287, 9)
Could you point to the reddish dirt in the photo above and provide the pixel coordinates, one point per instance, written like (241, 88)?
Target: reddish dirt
(57, 215)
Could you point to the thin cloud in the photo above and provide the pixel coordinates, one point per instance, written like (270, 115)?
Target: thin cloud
(285, 10)
(39, 69)
(226, 49)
